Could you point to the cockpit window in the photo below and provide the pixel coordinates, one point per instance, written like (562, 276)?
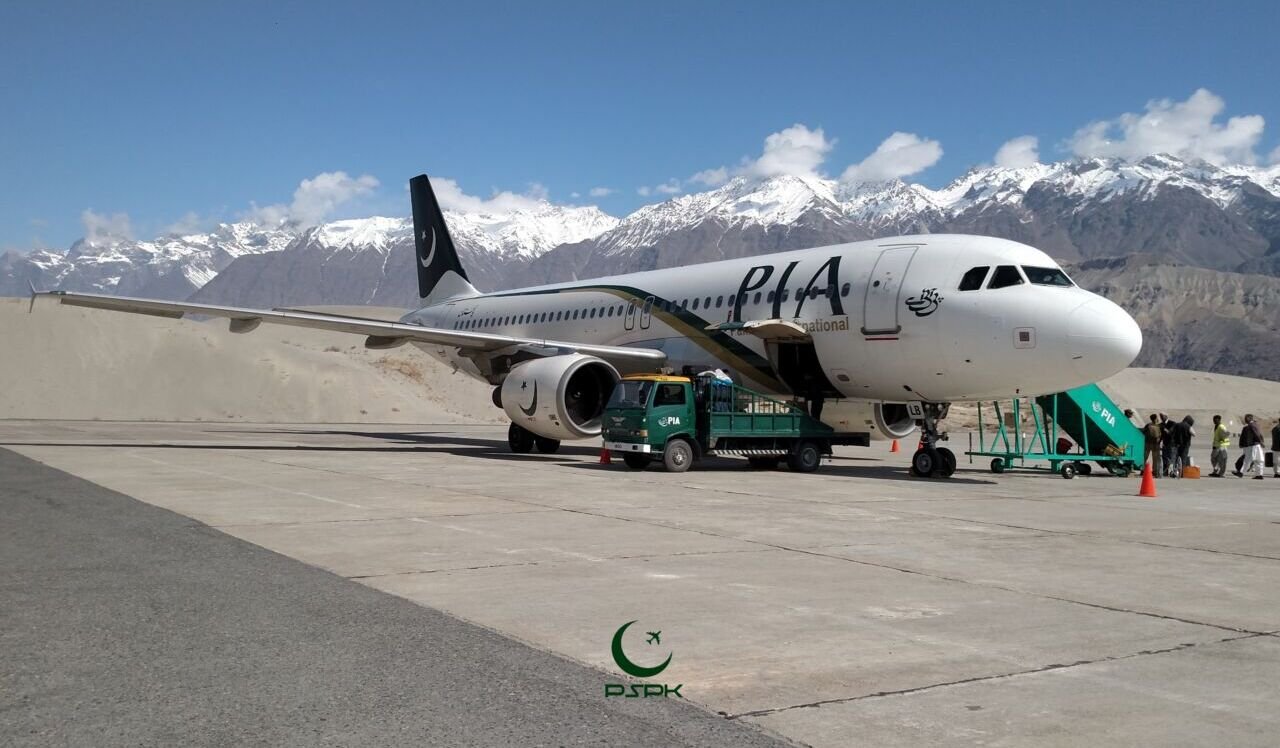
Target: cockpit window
(1047, 276)
(972, 280)
(1005, 276)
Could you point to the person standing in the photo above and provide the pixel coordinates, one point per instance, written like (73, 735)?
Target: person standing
(1275, 449)
(1221, 443)
(1151, 446)
(1184, 430)
(1166, 443)
(1251, 443)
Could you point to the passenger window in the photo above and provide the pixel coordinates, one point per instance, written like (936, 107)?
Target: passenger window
(1005, 276)
(706, 303)
(719, 301)
(844, 290)
(757, 299)
(669, 394)
(695, 304)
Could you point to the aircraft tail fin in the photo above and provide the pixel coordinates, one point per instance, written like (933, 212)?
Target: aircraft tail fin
(440, 273)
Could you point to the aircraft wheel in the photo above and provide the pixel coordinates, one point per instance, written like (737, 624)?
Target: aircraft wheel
(924, 462)
(997, 465)
(636, 461)
(805, 459)
(519, 439)
(1068, 470)
(547, 446)
(678, 456)
(947, 468)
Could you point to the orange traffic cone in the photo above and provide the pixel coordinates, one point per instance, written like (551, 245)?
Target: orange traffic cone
(605, 459)
(894, 447)
(1148, 488)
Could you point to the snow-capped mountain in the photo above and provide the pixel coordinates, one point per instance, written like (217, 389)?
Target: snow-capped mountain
(371, 260)
(170, 267)
(1224, 218)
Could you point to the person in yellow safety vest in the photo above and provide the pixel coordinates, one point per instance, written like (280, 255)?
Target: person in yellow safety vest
(1221, 443)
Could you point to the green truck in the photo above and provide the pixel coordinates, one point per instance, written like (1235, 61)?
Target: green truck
(679, 420)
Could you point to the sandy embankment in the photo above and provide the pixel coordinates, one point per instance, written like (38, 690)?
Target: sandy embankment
(67, 363)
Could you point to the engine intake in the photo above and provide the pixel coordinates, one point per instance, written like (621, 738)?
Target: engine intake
(559, 397)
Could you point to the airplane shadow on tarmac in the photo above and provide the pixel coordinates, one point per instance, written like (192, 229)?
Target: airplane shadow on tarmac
(493, 449)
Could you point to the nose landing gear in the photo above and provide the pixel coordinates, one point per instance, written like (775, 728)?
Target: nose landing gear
(930, 460)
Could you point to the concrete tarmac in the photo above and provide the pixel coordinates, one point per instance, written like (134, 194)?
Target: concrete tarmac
(854, 605)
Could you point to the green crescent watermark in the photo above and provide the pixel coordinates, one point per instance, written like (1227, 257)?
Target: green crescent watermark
(641, 690)
(629, 667)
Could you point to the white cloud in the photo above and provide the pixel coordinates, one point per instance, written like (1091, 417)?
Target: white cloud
(575, 195)
(670, 187)
(100, 228)
(315, 199)
(711, 177)
(452, 197)
(795, 151)
(1019, 152)
(1186, 129)
(1274, 158)
(900, 155)
(189, 223)
(644, 191)
(600, 191)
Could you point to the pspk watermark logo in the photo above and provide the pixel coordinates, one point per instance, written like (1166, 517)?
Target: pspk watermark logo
(628, 666)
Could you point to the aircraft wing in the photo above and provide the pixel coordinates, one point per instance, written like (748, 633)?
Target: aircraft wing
(380, 334)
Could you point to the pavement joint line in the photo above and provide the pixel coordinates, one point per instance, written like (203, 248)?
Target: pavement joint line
(985, 678)
(190, 469)
(552, 562)
(1093, 536)
(377, 519)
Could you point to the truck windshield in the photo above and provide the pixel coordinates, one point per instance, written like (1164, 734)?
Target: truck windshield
(630, 395)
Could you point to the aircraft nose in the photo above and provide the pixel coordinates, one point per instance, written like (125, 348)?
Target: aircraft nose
(1102, 339)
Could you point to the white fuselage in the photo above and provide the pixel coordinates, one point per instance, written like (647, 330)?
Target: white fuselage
(897, 326)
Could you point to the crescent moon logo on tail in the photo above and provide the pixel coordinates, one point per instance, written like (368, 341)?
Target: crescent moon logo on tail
(629, 667)
(431, 253)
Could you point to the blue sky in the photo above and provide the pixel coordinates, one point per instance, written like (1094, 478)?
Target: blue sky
(193, 113)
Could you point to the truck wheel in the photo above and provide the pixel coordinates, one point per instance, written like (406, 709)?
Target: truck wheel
(948, 460)
(997, 465)
(635, 461)
(547, 446)
(1068, 471)
(678, 456)
(519, 439)
(805, 458)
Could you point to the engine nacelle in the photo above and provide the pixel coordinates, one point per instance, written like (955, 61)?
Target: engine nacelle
(559, 397)
(882, 420)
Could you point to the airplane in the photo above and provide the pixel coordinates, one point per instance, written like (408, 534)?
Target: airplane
(655, 637)
(887, 332)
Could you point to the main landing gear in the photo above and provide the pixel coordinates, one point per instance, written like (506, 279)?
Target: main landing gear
(930, 460)
(522, 441)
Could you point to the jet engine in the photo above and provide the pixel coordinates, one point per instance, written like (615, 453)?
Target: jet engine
(559, 397)
(882, 420)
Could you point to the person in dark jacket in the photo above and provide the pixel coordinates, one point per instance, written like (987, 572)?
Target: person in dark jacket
(1182, 432)
(1251, 443)
(1275, 449)
(1167, 450)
